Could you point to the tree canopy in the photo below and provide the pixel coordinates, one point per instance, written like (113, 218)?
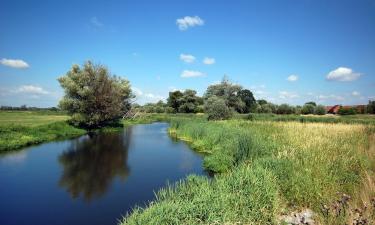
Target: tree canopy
(94, 97)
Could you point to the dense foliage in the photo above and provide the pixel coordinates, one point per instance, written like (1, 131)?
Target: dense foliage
(347, 111)
(217, 109)
(93, 97)
(185, 102)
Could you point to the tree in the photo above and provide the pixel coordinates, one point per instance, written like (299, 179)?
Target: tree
(248, 98)
(94, 97)
(347, 111)
(174, 99)
(261, 102)
(217, 109)
(310, 103)
(308, 109)
(371, 107)
(320, 110)
(285, 109)
(234, 95)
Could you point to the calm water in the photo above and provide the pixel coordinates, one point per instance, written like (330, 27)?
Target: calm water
(91, 180)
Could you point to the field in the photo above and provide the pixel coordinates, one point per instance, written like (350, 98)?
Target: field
(23, 128)
(266, 169)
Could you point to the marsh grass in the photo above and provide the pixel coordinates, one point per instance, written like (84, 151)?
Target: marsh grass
(302, 165)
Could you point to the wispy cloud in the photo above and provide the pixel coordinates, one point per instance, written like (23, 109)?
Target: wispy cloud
(187, 58)
(31, 89)
(287, 95)
(188, 21)
(356, 94)
(209, 61)
(14, 63)
(343, 74)
(95, 22)
(191, 73)
(331, 97)
(292, 78)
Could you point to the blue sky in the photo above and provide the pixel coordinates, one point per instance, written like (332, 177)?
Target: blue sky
(288, 51)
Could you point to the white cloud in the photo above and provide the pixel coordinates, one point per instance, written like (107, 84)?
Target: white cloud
(137, 91)
(187, 21)
(209, 61)
(187, 58)
(31, 89)
(356, 93)
(287, 95)
(331, 97)
(15, 63)
(191, 73)
(292, 78)
(343, 74)
(95, 22)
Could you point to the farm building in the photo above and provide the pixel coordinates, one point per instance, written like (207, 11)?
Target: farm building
(334, 109)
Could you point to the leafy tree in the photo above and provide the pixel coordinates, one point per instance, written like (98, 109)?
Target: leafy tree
(320, 110)
(285, 109)
(261, 102)
(93, 97)
(371, 107)
(235, 97)
(310, 103)
(174, 100)
(308, 109)
(217, 109)
(248, 98)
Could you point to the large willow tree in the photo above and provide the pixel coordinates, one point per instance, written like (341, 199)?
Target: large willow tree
(94, 97)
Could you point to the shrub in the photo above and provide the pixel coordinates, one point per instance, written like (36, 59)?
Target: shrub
(308, 109)
(285, 109)
(347, 111)
(216, 109)
(320, 110)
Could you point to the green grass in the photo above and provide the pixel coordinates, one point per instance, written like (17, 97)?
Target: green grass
(349, 119)
(30, 118)
(23, 128)
(288, 166)
(17, 136)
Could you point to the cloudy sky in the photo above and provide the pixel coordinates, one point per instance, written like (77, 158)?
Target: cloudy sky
(289, 51)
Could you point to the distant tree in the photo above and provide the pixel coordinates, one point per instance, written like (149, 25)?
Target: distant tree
(320, 110)
(235, 97)
(310, 103)
(217, 109)
(174, 100)
(262, 102)
(23, 107)
(94, 97)
(347, 111)
(248, 98)
(371, 107)
(308, 109)
(285, 109)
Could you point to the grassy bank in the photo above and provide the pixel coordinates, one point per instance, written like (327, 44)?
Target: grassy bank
(23, 128)
(268, 169)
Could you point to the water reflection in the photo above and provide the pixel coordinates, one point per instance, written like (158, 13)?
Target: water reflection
(90, 164)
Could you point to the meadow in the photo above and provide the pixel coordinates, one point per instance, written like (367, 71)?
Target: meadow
(23, 128)
(266, 169)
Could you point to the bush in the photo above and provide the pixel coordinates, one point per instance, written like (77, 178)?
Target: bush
(347, 111)
(308, 109)
(320, 110)
(285, 109)
(216, 109)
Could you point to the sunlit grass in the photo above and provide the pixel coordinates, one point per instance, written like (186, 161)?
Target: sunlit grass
(304, 164)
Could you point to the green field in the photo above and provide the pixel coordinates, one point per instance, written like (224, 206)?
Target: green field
(22, 128)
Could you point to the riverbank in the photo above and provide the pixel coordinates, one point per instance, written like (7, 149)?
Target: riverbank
(267, 170)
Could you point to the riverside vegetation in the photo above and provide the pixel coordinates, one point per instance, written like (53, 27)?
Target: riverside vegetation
(265, 169)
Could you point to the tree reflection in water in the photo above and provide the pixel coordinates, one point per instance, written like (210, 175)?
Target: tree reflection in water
(90, 164)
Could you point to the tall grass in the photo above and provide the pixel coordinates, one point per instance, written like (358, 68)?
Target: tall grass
(299, 164)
